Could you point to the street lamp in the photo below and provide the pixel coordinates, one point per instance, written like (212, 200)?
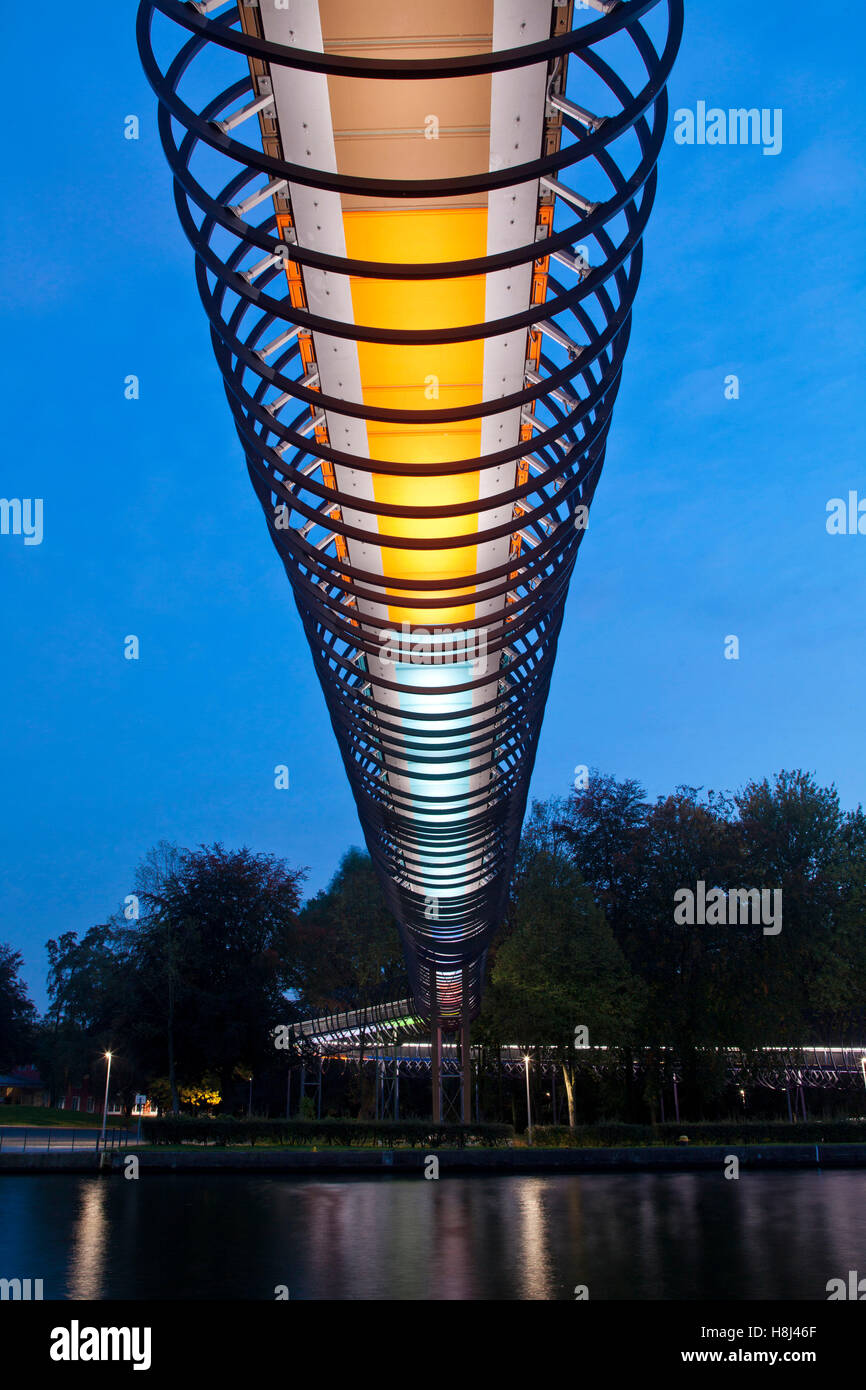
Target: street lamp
(528, 1101)
(105, 1102)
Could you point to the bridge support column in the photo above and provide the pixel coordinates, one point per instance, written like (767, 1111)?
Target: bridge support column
(465, 1055)
(435, 1052)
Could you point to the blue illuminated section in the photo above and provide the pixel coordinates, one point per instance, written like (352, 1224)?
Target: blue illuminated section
(429, 692)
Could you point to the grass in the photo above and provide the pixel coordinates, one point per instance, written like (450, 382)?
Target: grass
(44, 1117)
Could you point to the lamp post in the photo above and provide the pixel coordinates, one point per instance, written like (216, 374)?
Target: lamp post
(105, 1102)
(528, 1101)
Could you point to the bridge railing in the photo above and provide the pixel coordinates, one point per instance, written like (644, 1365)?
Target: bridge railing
(36, 1140)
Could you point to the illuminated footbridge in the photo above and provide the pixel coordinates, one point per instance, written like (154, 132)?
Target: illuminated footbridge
(418, 238)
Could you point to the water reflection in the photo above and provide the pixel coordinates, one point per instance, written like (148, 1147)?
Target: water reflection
(644, 1236)
(86, 1278)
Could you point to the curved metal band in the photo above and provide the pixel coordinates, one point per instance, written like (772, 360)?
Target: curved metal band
(400, 753)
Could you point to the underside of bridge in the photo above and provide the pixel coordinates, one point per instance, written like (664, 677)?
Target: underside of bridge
(418, 235)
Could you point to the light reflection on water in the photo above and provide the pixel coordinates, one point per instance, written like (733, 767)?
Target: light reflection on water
(86, 1269)
(645, 1236)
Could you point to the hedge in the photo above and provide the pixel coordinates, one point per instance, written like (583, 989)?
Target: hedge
(613, 1135)
(222, 1130)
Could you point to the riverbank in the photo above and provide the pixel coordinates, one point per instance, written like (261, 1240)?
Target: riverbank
(471, 1160)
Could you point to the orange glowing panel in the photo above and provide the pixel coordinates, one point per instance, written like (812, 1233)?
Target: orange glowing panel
(407, 378)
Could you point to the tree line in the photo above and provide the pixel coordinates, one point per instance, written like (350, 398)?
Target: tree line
(187, 981)
(592, 941)
(216, 947)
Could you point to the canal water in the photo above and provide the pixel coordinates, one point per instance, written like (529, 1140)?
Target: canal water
(643, 1236)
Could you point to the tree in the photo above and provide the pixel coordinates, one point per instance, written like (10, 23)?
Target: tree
(560, 969)
(836, 986)
(695, 1001)
(792, 834)
(157, 950)
(214, 953)
(88, 980)
(605, 826)
(350, 953)
(350, 956)
(17, 1011)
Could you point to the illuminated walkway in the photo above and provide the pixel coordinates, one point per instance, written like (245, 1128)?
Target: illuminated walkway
(418, 240)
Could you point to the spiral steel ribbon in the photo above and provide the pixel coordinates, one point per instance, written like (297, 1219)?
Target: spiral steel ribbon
(429, 546)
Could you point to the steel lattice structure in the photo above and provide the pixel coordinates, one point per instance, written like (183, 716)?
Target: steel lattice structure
(429, 545)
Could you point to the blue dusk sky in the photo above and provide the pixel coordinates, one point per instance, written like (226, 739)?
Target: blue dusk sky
(710, 518)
